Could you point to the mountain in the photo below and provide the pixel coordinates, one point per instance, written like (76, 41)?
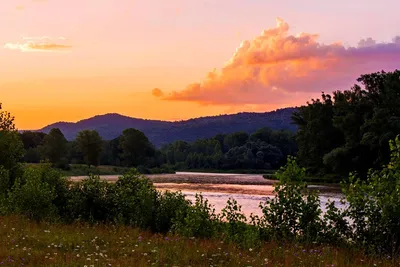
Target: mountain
(111, 126)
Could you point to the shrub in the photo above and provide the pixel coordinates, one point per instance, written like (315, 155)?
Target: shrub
(374, 206)
(235, 227)
(199, 221)
(4, 180)
(33, 196)
(135, 200)
(291, 172)
(90, 200)
(291, 216)
(170, 206)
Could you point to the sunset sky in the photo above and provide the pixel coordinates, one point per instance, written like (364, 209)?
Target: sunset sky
(68, 60)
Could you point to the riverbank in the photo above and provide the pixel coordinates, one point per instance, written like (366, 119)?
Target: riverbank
(24, 243)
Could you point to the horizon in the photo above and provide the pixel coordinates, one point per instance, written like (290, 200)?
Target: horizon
(68, 61)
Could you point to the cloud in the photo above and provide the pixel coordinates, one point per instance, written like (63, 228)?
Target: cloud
(20, 7)
(38, 44)
(157, 92)
(277, 68)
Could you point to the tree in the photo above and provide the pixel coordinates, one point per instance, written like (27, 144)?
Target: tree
(136, 147)
(33, 144)
(90, 144)
(55, 146)
(11, 148)
(6, 120)
(351, 130)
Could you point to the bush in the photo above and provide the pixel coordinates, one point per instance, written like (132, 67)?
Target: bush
(170, 206)
(63, 164)
(235, 227)
(295, 213)
(91, 200)
(33, 196)
(199, 221)
(374, 206)
(135, 200)
(291, 216)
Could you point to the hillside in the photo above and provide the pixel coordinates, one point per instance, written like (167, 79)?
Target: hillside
(111, 126)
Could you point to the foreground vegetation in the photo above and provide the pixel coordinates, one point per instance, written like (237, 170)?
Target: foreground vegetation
(25, 243)
(294, 215)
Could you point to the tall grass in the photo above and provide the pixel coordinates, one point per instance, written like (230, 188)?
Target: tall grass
(25, 243)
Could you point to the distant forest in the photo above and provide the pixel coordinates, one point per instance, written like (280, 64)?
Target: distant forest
(348, 131)
(264, 149)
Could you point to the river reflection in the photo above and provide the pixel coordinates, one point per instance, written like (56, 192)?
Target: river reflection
(249, 202)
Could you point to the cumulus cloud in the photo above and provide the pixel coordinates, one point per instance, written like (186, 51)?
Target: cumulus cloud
(38, 44)
(277, 67)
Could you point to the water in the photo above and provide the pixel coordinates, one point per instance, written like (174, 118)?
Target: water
(249, 202)
(247, 189)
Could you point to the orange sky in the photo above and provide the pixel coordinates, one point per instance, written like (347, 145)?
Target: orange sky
(69, 60)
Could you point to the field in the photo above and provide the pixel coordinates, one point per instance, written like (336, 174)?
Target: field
(24, 243)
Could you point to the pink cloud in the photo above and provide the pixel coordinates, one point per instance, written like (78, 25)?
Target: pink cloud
(278, 68)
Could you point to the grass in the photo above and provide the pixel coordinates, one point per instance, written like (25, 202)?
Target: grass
(25, 243)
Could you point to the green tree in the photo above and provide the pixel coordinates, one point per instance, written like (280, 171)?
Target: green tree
(316, 133)
(90, 144)
(55, 146)
(351, 130)
(11, 148)
(136, 147)
(33, 144)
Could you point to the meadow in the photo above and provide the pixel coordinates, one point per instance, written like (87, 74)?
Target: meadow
(26, 243)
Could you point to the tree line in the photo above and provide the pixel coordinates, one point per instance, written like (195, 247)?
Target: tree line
(264, 149)
(350, 130)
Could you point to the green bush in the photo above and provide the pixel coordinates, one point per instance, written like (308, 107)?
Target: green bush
(33, 196)
(235, 227)
(374, 206)
(90, 200)
(199, 221)
(170, 206)
(291, 216)
(135, 200)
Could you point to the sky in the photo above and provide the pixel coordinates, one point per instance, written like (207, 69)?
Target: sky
(172, 60)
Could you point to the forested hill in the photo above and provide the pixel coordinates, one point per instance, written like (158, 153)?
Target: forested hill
(111, 126)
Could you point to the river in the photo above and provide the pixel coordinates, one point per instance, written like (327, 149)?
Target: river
(247, 189)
